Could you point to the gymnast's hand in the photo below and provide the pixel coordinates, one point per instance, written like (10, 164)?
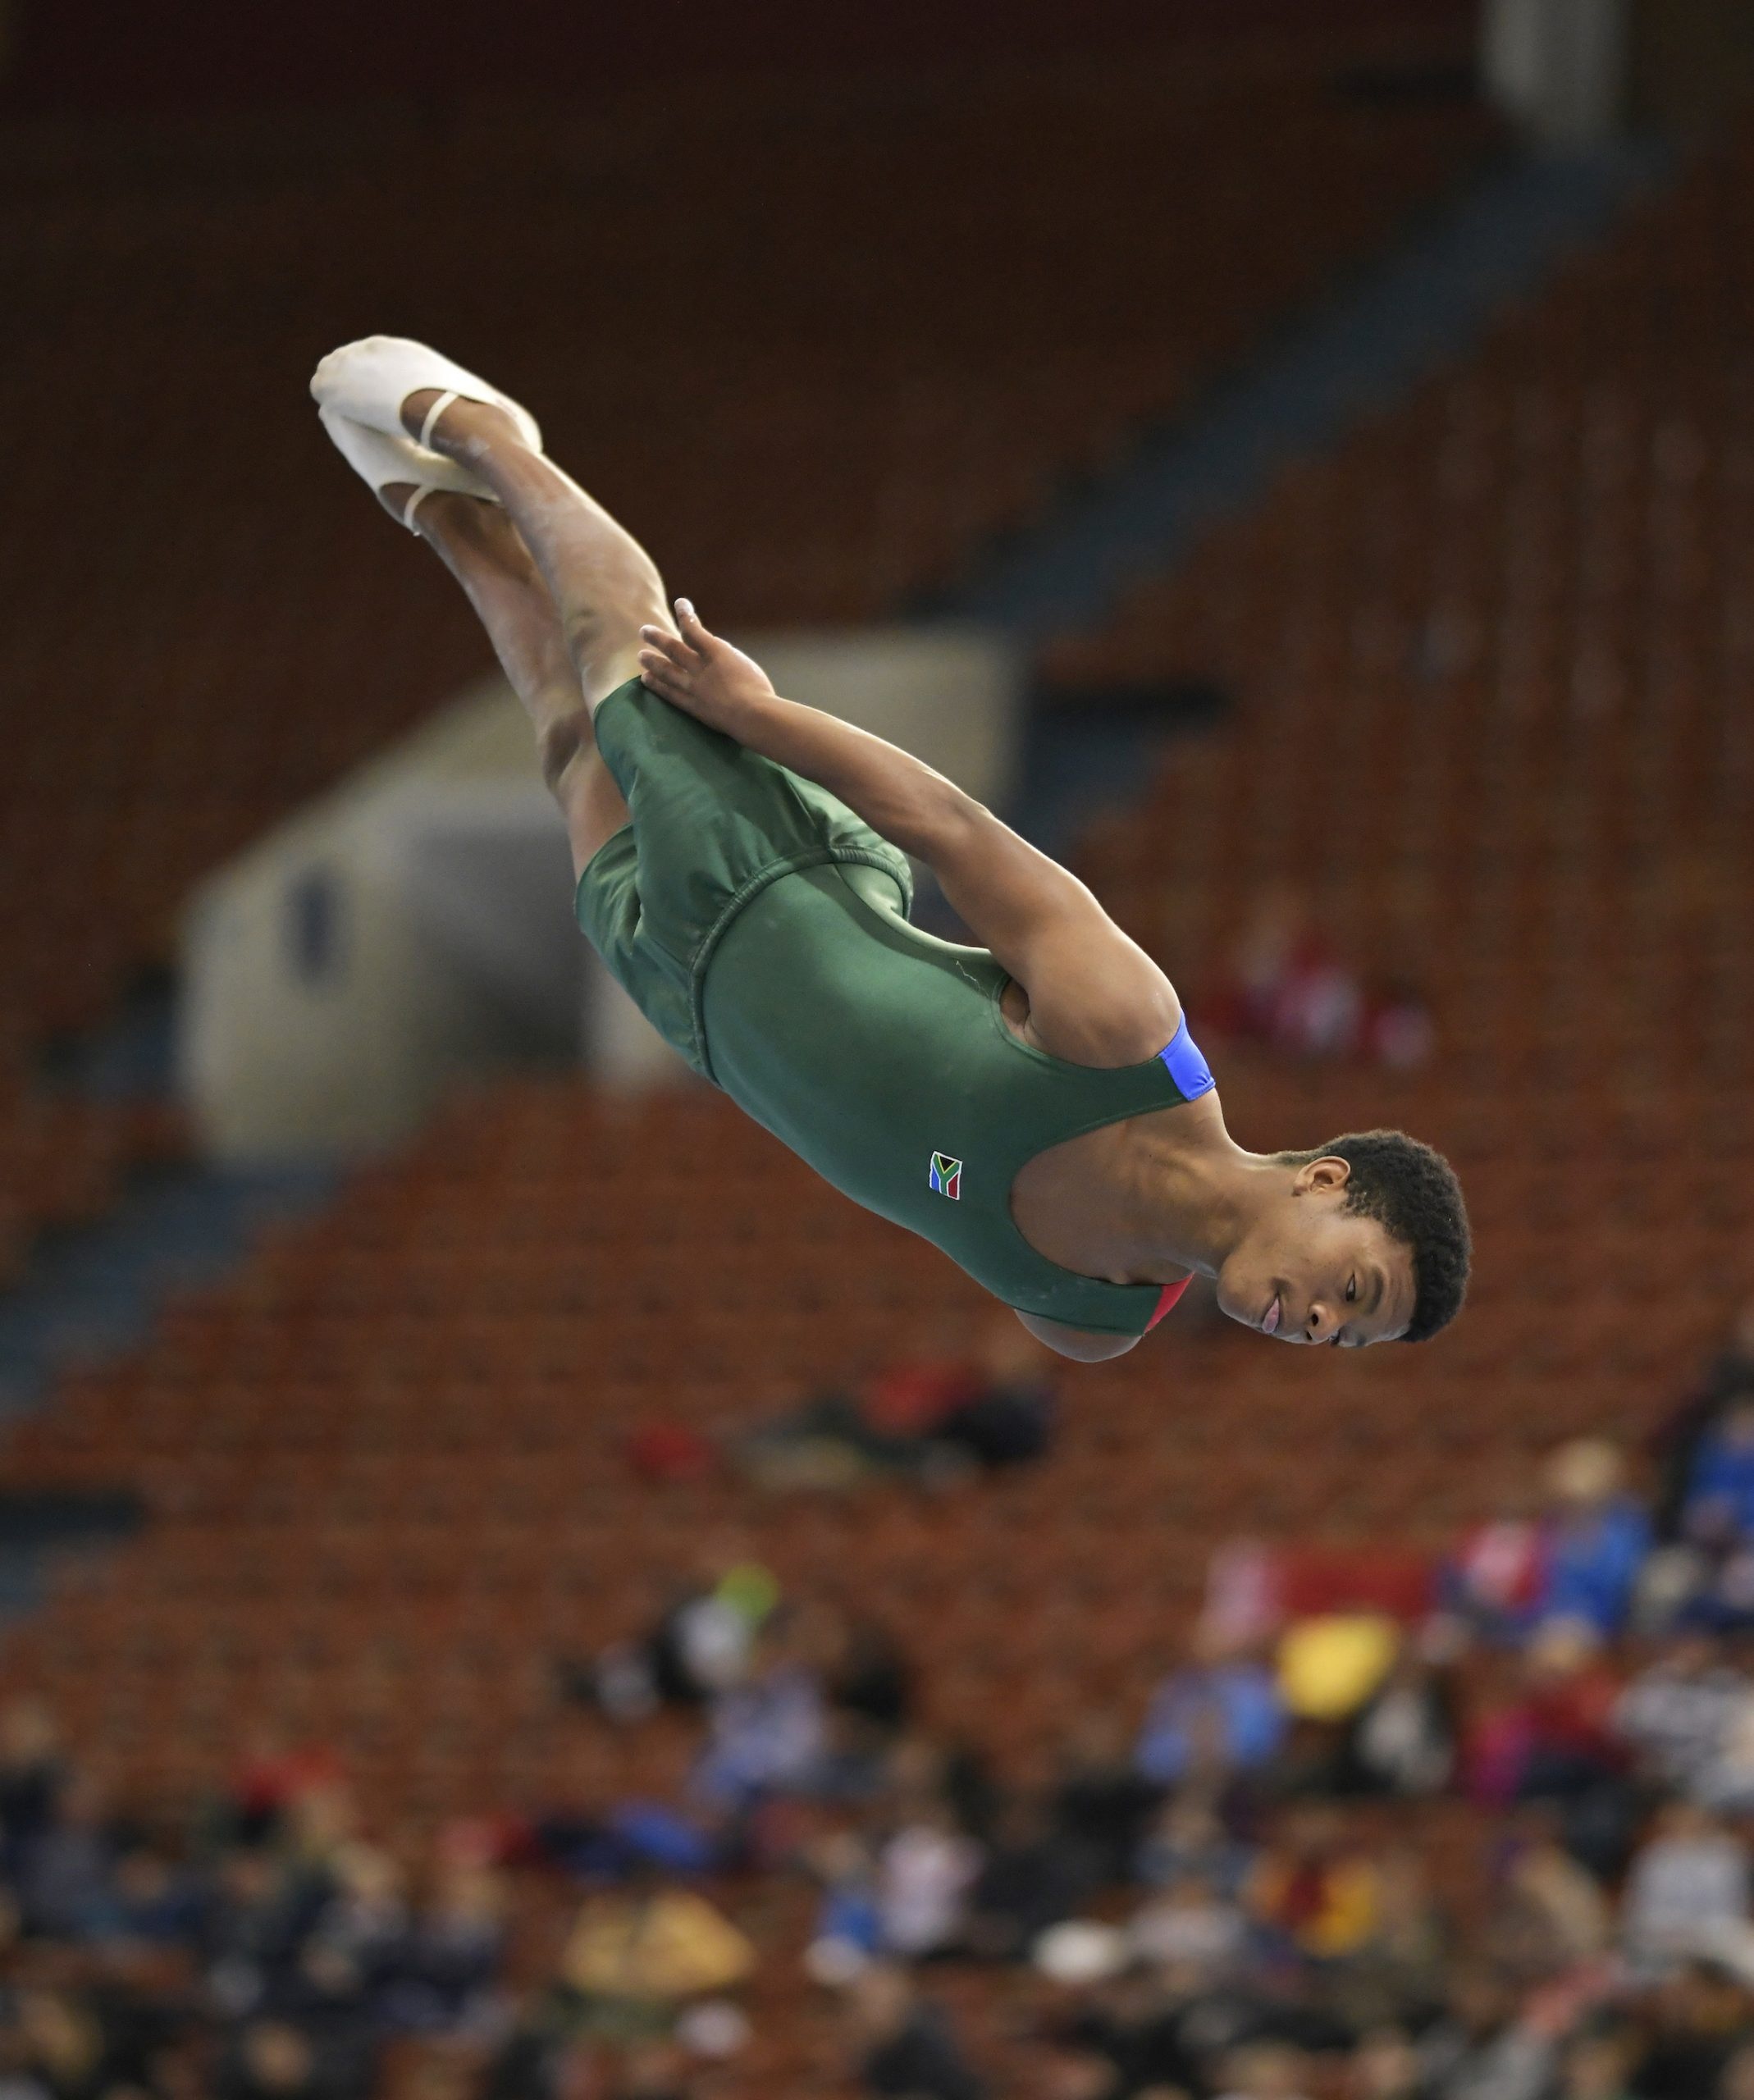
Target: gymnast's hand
(703, 674)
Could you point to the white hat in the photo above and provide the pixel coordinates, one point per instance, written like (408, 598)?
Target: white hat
(1080, 1951)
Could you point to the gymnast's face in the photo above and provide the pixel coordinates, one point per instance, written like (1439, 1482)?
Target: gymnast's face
(1310, 1270)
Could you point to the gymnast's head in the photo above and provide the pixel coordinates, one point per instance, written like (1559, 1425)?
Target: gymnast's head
(1365, 1240)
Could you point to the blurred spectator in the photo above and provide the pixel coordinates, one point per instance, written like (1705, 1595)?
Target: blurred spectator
(927, 1415)
(1010, 1416)
(1720, 1504)
(1397, 1975)
(1680, 1713)
(1597, 2066)
(652, 2071)
(1495, 1580)
(1689, 1881)
(1219, 1713)
(542, 2058)
(261, 1911)
(71, 2053)
(866, 1675)
(1727, 1784)
(1245, 1602)
(917, 1766)
(453, 1953)
(32, 1776)
(1189, 1840)
(1737, 2082)
(700, 1647)
(152, 1900)
(1481, 2048)
(768, 1733)
(1192, 1929)
(364, 1925)
(1549, 1913)
(1286, 986)
(1101, 1805)
(1313, 1887)
(849, 1925)
(1265, 2071)
(1385, 2066)
(1595, 1538)
(64, 1879)
(273, 1780)
(1729, 1377)
(925, 1872)
(1064, 2072)
(903, 2046)
(714, 2030)
(274, 2060)
(635, 1957)
(1580, 1561)
(1403, 1741)
(1029, 1879)
(1697, 2021)
(1156, 2032)
(1710, 1578)
(1554, 1739)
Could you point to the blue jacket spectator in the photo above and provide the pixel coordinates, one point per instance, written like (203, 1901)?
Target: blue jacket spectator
(1593, 1566)
(1720, 1505)
(770, 1735)
(1595, 1539)
(1224, 1715)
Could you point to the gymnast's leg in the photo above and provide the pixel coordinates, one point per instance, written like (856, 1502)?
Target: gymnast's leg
(481, 547)
(604, 585)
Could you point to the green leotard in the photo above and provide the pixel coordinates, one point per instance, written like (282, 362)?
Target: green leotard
(763, 928)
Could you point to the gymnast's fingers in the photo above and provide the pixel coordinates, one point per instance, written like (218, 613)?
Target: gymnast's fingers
(670, 647)
(659, 673)
(694, 629)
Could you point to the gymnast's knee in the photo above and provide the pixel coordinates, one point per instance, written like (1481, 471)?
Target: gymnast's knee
(603, 641)
(560, 743)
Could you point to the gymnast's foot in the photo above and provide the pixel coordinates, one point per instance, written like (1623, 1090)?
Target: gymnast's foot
(463, 430)
(404, 389)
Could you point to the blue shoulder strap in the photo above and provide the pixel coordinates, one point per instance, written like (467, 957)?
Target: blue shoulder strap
(1186, 1067)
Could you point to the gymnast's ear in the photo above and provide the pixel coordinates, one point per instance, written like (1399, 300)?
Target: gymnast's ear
(1324, 1177)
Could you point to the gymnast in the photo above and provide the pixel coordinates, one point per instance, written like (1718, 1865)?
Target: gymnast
(1034, 1106)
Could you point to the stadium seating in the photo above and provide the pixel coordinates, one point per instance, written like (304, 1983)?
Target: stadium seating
(1521, 592)
(388, 1485)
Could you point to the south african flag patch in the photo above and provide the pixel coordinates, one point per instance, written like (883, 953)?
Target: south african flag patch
(945, 1176)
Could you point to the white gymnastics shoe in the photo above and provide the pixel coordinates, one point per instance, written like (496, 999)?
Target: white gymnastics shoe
(378, 458)
(368, 382)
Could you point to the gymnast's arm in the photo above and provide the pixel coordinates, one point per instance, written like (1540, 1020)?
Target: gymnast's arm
(1094, 996)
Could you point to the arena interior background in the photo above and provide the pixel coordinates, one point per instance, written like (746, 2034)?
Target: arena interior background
(563, 1604)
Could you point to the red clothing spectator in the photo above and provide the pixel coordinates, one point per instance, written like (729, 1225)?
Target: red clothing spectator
(915, 1399)
(1287, 986)
(1557, 1732)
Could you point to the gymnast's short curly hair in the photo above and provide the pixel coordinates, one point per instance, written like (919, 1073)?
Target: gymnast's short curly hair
(1412, 1191)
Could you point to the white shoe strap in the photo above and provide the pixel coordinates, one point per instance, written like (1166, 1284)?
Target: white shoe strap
(414, 502)
(432, 415)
